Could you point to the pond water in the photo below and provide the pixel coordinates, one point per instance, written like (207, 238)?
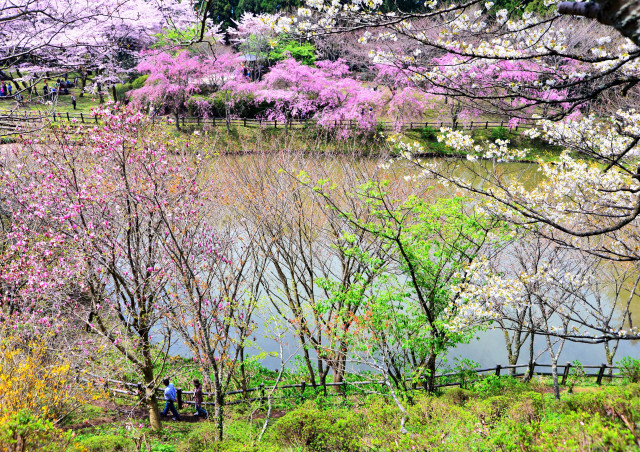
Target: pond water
(488, 349)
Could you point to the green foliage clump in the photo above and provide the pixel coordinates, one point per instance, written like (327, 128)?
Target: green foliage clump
(303, 52)
(25, 431)
(576, 375)
(493, 385)
(630, 369)
(428, 133)
(108, 443)
(499, 133)
(316, 430)
(239, 436)
(122, 90)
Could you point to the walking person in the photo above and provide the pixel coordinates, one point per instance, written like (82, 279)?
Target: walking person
(198, 399)
(73, 101)
(170, 396)
(10, 88)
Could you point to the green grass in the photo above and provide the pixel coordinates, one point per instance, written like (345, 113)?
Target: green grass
(518, 416)
(84, 103)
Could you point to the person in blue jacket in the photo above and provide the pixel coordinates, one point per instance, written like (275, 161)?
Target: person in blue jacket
(170, 397)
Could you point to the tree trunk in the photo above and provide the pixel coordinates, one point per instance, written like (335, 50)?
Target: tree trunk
(151, 399)
(219, 405)
(83, 84)
(154, 411)
(338, 375)
(114, 93)
(430, 382)
(554, 373)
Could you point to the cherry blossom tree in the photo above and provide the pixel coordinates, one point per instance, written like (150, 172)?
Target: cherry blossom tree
(172, 80)
(325, 93)
(45, 38)
(569, 63)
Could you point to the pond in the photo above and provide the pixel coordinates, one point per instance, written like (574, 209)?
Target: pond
(257, 174)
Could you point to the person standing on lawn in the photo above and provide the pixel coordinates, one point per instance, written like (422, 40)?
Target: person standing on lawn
(170, 396)
(73, 101)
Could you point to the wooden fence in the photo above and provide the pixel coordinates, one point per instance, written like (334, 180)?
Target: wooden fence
(15, 119)
(136, 389)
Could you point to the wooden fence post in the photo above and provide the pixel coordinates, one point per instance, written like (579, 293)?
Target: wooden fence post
(486, 125)
(600, 374)
(183, 120)
(245, 122)
(501, 124)
(96, 118)
(213, 120)
(179, 391)
(81, 117)
(565, 374)
(471, 126)
(498, 368)
(68, 118)
(198, 120)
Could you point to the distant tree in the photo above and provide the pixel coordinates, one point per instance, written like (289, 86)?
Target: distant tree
(172, 80)
(265, 6)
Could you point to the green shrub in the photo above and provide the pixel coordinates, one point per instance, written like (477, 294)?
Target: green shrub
(436, 147)
(229, 445)
(239, 436)
(528, 408)
(304, 52)
(26, 432)
(139, 82)
(122, 90)
(428, 133)
(576, 375)
(630, 369)
(203, 437)
(499, 133)
(458, 396)
(493, 385)
(108, 443)
(316, 430)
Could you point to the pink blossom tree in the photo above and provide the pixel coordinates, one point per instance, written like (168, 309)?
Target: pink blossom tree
(325, 93)
(119, 219)
(172, 80)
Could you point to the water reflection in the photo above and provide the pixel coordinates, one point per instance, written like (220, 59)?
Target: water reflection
(488, 348)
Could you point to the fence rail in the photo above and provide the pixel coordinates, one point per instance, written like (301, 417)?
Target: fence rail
(14, 119)
(136, 389)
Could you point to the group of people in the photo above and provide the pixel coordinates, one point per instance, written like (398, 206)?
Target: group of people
(171, 397)
(6, 89)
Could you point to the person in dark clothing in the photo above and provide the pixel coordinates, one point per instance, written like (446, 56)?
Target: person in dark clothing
(198, 399)
(73, 101)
